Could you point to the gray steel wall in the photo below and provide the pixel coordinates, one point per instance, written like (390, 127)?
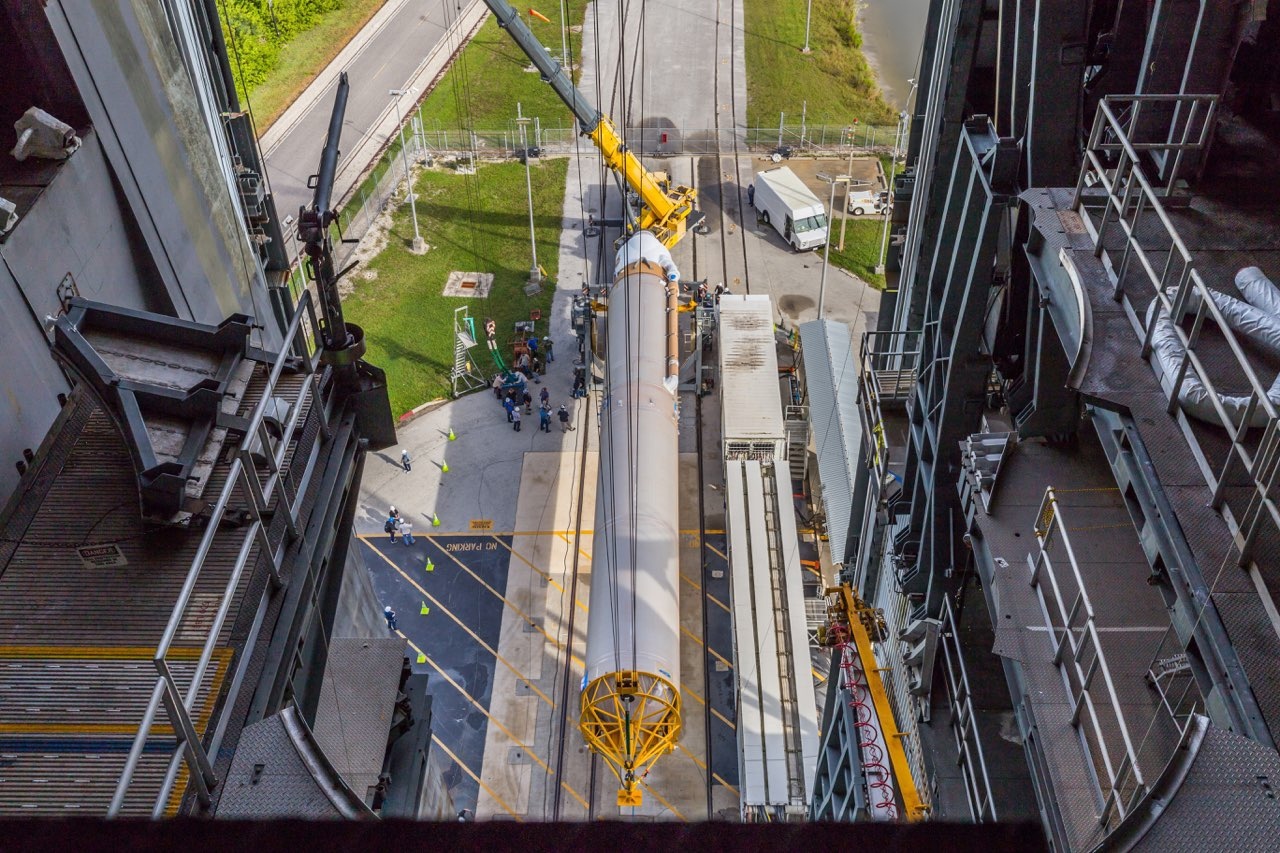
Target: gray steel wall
(141, 216)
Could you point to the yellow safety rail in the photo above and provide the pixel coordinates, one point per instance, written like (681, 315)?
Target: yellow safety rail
(631, 719)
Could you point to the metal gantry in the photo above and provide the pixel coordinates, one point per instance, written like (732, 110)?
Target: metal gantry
(259, 497)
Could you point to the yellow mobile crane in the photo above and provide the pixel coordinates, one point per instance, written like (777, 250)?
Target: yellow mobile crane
(666, 209)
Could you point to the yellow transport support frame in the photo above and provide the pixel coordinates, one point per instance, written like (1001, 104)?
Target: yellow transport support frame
(855, 609)
(631, 719)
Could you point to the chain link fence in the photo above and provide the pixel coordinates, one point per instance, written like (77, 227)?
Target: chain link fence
(425, 143)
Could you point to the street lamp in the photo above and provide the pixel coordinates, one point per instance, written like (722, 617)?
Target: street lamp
(893, 166)
(826, 254)
(418, 245)
(808, 15)
(535, 274)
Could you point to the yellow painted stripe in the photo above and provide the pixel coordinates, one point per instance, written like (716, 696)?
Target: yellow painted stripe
(713, 652)
(720, 603)
(583, 553)
(701, 764)
(79, 729)
(584, 532)
(714, 550)
(722, 718)
(96, 652)
(693, 693)
(482, 709)
(463, 626)
(716, 776)
(479, 781)
(691, 582)
(545, 576)
(576, 660)
(660, 799)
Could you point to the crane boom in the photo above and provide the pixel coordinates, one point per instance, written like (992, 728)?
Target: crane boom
(666, 209)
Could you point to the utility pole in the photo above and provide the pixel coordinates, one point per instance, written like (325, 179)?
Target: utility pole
(808, 16)
(535, 274)
(826, 255)
(418, 245)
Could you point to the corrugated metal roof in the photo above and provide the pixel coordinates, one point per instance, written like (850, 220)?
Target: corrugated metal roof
(749, 370)
(831, 381)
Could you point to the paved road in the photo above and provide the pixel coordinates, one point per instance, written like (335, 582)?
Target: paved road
(405, 44)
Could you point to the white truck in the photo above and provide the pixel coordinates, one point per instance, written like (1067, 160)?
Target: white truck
(782, 200)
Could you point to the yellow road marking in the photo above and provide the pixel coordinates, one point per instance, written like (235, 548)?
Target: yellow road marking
(462, 625)
(821, 678)
(714, 550)
(506, 731)
(696, 760)
(723, 606)
(545, 576)
(716, 776)
(468, 771)
(690, 581)
(577, 661)
(670, 807)
(713, 652)
(693, 693)
(722, 718)
(566, 538)
(584, 532)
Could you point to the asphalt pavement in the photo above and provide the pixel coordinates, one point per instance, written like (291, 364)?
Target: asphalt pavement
(405, 46)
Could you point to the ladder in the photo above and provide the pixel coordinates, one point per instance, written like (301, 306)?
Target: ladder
(786, 658)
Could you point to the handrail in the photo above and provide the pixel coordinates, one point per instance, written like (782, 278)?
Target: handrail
(1261, 466)
(870, 392)
(964, 726)
(241, 475)
(1079, 640)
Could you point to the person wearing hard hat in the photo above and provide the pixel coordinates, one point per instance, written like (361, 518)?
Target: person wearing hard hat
(390, 616)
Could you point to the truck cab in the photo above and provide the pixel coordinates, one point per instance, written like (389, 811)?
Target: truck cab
(782, 200)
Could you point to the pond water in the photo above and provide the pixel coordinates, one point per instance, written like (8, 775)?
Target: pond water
(893, 31)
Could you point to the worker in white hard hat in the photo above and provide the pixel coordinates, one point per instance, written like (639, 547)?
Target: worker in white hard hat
(390, 616)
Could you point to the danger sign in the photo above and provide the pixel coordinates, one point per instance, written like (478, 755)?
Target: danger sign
(102, 557)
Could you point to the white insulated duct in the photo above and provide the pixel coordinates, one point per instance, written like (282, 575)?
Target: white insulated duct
(1258, 319)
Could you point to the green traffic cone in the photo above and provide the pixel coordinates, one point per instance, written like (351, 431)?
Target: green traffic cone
(444, 467)
(425, 609)
(435, 520)
(431, 567)
(452, 437)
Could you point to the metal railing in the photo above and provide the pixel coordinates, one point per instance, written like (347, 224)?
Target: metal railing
(1132, 202)
(256, 446)
(964, 726)
(887, 375)
(1078, 654)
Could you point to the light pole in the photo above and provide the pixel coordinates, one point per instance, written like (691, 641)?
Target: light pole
(893, 166)
(418, 246)
(808, 16)
(535, 274)
(826, 254)
(564, 36)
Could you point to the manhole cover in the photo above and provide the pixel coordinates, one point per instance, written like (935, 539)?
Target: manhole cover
(468, 284)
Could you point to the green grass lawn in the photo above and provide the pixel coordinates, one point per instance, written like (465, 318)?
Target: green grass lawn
(408, 324)
(834, 77)
(305, 56)
(489, 76)
(861, 248)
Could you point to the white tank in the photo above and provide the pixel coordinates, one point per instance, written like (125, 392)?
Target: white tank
(631, 698)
